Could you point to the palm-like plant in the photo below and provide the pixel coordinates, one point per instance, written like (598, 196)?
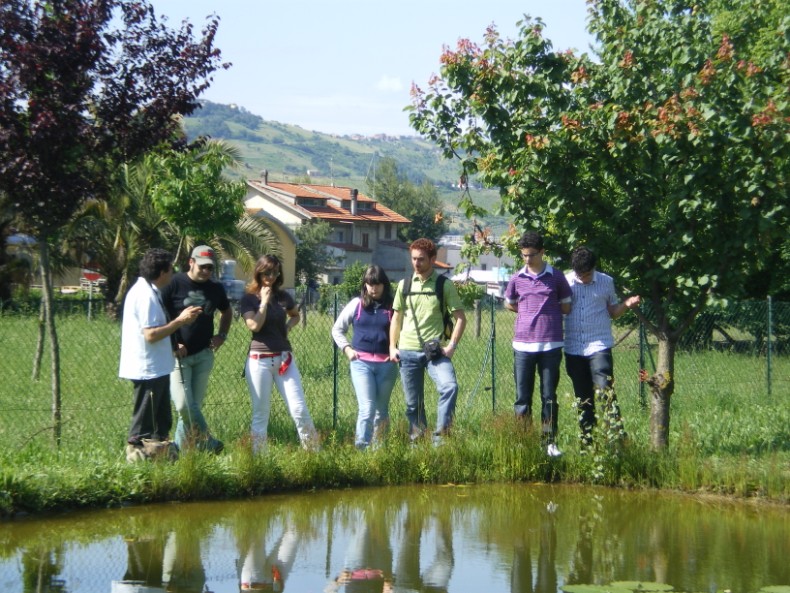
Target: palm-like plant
(116, 231)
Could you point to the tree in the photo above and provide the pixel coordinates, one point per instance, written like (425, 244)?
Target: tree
(190, 191)
(420, 204)
(312, 256)
(169, 197)
(78, 97)
(668, 154)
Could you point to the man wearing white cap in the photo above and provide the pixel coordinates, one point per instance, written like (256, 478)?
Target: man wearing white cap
(196, 345)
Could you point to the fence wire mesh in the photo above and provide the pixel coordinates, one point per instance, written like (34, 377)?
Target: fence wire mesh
(744, 347)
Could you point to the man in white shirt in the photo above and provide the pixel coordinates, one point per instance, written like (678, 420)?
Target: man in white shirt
(588, 333)
(147, 354)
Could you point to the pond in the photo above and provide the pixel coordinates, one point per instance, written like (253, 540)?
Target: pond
(511, 538)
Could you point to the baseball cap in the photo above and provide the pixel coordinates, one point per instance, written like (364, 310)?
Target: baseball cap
(203, 254)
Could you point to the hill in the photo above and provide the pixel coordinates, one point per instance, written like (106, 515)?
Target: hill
(292, 153)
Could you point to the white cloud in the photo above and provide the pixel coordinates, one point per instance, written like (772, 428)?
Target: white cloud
(389, 84)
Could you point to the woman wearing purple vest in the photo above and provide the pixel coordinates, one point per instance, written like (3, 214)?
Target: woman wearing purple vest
(373, 374)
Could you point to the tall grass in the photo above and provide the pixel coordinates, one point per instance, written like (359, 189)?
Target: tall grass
(727, 436)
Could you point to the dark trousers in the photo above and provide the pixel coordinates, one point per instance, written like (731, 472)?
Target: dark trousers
(547, 364)
(152, 417)
(588, 374)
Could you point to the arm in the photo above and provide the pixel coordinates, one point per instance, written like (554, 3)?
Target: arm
(395, 325)
(225, 319)
(458, 332)
(511, 307)
(256, 319)
(293, 318)
(618, 309)
(160, 332)
(340, 328)
(565, 308)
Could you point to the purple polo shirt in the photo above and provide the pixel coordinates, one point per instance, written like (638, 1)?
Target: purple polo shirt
(539, 317)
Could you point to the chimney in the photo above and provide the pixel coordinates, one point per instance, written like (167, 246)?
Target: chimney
(354, 194)
(265, 175)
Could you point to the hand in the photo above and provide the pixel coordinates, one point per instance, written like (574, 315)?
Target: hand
(350, 353)
(265, 294)
(632, 302)
(189, 315)
(181, 351)
(216, 342)
(449, 350)
(394, 354)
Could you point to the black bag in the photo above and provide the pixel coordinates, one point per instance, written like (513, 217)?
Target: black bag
(432, 349)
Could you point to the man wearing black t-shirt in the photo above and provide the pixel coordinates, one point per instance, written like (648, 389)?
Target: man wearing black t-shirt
(196, 345)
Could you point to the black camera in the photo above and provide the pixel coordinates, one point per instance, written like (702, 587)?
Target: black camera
(432, 349)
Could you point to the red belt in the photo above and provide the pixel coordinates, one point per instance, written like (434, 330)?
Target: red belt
(259, 355)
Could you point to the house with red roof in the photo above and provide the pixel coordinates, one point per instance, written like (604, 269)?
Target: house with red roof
(363, 229)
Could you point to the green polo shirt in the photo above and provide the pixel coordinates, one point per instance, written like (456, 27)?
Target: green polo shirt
(423, 303)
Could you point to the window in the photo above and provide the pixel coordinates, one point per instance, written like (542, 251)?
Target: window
(340, 236)
(388, 231)
(365, 240)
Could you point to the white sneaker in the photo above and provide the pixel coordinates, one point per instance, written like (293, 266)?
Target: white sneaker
(553, 451)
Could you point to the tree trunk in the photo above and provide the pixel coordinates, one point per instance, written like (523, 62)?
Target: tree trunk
(39, 354)
(662, 386)
(478, 317)
(49, 321)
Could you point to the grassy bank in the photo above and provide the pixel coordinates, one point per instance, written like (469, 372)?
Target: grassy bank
(728, 434)
(43, 481)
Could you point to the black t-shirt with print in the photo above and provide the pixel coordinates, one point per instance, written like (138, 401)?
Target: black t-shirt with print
(183, 292)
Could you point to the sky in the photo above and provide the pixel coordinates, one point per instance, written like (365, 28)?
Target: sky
(347, 66)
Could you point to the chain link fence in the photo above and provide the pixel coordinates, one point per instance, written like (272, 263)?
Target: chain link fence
(743, 348)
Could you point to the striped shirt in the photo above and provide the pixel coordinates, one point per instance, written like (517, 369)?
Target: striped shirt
(539, 317)
(588, 327)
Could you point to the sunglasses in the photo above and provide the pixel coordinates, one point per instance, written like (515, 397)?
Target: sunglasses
(270, 273)
(206, 268)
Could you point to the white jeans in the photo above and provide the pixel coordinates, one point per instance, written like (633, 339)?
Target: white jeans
(261, 374)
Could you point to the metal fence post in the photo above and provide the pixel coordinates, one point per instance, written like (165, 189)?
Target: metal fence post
(334, 373)
(642, 345)
(493, 355)
(768, 350)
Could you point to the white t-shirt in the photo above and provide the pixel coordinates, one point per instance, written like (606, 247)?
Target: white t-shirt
(140, 359)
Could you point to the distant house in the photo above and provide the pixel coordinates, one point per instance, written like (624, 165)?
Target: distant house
(489, 271)
(363, 230)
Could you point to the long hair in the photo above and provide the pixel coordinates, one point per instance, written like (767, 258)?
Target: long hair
(264, 264)
(376, 275)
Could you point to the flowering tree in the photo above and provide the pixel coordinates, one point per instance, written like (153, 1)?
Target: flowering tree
(86, 85)
(668, 153)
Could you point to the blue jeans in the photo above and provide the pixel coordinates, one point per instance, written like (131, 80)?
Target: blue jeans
(188, 390)
(373, 383)
(547, 364)
(588, 374)
(413, 364)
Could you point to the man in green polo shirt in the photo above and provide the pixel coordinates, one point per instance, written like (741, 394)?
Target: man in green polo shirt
(417, 321)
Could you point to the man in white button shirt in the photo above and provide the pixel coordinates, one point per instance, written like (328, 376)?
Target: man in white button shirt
(588, 333)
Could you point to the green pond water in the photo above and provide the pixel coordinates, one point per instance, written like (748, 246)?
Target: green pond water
(510, 538)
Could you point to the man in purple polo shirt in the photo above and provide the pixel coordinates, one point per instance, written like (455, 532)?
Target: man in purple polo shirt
(540, 295)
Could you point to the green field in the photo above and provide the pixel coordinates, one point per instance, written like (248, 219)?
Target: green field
(730, 432)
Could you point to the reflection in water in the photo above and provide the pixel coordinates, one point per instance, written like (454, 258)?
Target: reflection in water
(159, 562)
(266, 554)
(511, 538)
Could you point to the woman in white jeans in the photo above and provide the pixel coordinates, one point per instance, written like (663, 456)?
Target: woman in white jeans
(270, 313)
